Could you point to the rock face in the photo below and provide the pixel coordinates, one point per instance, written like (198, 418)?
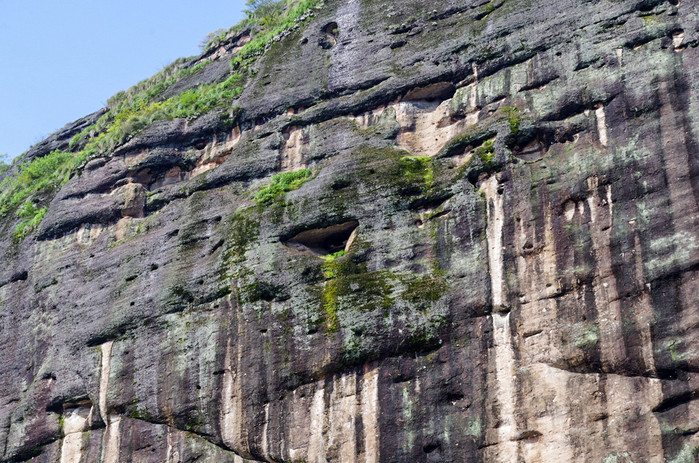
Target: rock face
(512, 189)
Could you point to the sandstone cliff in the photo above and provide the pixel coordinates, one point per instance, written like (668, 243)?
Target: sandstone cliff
(456, 231)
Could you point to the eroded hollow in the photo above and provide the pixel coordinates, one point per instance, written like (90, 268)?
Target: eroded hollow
(324, 241)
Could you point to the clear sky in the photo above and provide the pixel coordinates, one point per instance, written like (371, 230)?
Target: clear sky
(62, 60)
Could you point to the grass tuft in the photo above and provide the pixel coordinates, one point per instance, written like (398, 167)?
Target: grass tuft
(281, 184)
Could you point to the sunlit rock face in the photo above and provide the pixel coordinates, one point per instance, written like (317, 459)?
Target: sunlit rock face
(493, 258)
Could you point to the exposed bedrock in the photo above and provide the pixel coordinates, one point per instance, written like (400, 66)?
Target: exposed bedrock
(493, 257)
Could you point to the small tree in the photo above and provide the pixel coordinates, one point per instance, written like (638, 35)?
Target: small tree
(4, 163)
(263, 10)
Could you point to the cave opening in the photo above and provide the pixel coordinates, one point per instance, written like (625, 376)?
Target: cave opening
(325, 241)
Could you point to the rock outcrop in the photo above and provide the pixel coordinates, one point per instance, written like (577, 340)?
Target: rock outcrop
(477, 242)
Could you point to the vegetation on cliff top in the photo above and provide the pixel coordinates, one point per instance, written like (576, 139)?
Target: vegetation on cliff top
(131, 111)
(3, 163)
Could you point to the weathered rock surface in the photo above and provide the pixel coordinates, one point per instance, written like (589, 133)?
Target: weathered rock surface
(527, 293)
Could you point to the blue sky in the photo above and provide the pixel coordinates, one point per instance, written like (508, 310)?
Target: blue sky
(62, 60)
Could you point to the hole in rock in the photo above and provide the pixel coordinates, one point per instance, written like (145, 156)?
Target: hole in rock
(439, 91)
(22, 275)
(340, 183)
(532, 151)
(324, 241)
(331, 29)
(330, 40)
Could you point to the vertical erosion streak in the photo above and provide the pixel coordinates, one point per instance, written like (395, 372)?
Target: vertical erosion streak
(231, 426)
(293, 150)
(602, 125)
(106, 349)
(110, 452)
(504, 393)
(73, 427)
(111, 446)
(172, 455)
(504, 377)
(613, 349)
(370, 415)
(265, 428)
(494, 234)
(644, 314)
(316, 444)
(343, 416)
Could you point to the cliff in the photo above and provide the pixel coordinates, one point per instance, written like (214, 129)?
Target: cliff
(372, 231)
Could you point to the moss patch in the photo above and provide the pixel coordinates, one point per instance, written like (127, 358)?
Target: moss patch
(418, 169)
(281, 184)
(586, 336)
(428, 288)
(351, 286)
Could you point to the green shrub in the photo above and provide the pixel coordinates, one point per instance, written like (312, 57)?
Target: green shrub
(282, 183)
(281, 16)
(133, 110)
(514, 118)
(264, 10)
(4, 163)
(49, 171)
(31, 218)
(213, 39)
(486, 151)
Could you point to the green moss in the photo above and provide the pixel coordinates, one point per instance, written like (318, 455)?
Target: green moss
(261, 291)
(673, 346)
(194, 422)
(333, 256)
(428, 288)
(351, 286)
(475, 428)
(586, 336)
(281, 184)
(243, 231)
(488, 10)
(390, 168)
(140, 414)
(418, 169)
